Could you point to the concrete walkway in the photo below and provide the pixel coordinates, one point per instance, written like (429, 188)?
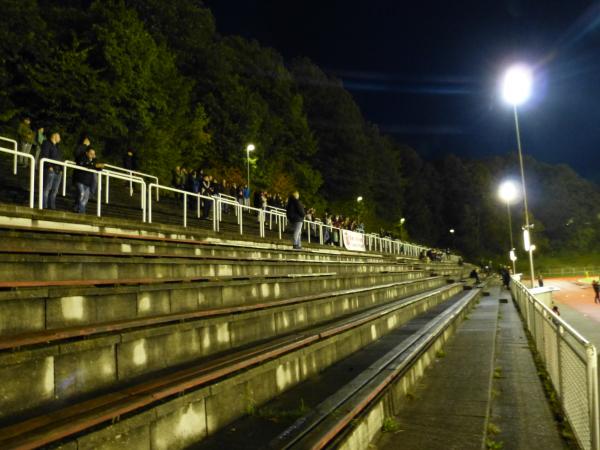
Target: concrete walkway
(452, 403)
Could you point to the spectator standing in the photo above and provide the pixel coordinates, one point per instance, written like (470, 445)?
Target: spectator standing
(206, 189)
(26, 139)
(82, 148)
(295, 215)
(84, 180)
(540, 281)
(52, 172)
(247, 195)
(40, 137)
(130, 160)
(596, 288)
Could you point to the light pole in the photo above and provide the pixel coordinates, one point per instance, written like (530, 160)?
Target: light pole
(508, 192)
(516, 89)
(402, 220)
(249, 148)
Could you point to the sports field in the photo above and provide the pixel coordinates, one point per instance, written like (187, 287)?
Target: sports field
(577, 293)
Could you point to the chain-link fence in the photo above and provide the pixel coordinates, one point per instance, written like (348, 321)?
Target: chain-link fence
(571, 361)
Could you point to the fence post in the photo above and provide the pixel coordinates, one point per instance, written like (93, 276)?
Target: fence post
(592, 376)
(98, 194)
(185, 209)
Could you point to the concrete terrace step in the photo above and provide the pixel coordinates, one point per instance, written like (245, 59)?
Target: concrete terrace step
(125, 351)
(35, 268)
(51, 307)
(182, 407)
(48, 241)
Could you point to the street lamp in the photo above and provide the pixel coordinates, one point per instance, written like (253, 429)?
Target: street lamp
(451, 230)
(402, 220)
(516, 89)
(508, 192)
(359, 199)
(249, 148)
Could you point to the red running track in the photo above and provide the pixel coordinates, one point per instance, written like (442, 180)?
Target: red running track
(579, 296)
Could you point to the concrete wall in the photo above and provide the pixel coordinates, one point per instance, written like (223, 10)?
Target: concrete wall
(189, 418)
(69, 369)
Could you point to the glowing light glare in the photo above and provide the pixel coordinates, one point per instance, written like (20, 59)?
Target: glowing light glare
(508, 191)
(512, 255)
(516, 86)
(402, 220)
(359, 199)
(451, 230)
(250, 147)
(526, 241)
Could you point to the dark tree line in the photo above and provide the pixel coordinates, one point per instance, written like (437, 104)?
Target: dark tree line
(157, 76)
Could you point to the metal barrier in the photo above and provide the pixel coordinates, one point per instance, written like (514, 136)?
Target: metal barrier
(239, 210)
(13, 151)
(100, 174)
(571, 361)
(31, 170)
(132, 173)
(130, 178)
(186, 194)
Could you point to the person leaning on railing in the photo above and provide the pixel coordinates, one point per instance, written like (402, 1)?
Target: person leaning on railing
(52, 172)
(84, 180)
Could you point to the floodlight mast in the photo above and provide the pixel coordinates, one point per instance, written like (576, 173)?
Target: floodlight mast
(516, 89)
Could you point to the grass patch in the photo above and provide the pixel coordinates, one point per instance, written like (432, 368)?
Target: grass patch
(491, 444)
(492, 428)
(276, 415)
(440, 353)
(390, 425)
(498, 372)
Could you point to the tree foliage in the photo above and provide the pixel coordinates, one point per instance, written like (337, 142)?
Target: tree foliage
(158, 76)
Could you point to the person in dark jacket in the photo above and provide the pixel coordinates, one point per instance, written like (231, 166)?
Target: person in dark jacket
(206, 189)
(295, 214)
(82, 147)
(52, 172)
(130, 160)
(84, 179)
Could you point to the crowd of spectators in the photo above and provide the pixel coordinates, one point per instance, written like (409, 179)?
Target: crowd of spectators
(42, 143)
(46, 145)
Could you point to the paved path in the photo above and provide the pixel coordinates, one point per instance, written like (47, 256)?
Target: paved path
(453, 401)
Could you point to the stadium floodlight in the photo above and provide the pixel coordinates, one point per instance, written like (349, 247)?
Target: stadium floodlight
(508, 191)
(359, 199)
(249, 148)
(516, 85)
(516, 89)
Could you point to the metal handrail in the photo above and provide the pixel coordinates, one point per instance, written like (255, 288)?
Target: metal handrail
(134, 173)
(100, 174)
(31, 170)
(239, 213)
(14, 151)
(199, 197)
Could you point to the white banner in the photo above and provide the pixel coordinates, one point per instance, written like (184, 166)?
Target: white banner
(353, 240)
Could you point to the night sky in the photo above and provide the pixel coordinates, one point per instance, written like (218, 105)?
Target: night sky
(428, 72)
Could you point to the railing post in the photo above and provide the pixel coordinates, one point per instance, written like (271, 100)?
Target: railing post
(185, 209)
(98, 195)
(240, 220)
(321, 233)
(150, 203)
(216, 213)
(592, 379)
(144, 206)
(279, 226)
(64, 181)
(41, 185)
(31, 182)
(262, 220)
(107, 189)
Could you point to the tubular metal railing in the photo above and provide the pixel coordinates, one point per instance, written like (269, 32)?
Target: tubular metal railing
(132, 173)
(315, 229)
(571, 361)
(185, 194)
(99, 174)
